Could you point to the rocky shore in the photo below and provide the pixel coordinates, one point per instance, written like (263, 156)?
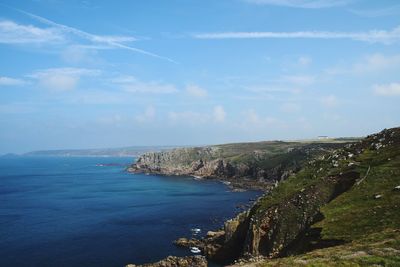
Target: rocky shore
(171, 261)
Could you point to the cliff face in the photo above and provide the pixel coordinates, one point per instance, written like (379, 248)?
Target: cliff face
(267, 230)
(272, 161)
(278, 221)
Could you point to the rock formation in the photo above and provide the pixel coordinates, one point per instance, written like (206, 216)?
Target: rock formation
(171, 261)
(277, 222)
(237, 163)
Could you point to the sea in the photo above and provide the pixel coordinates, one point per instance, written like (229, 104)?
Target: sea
(89, 212)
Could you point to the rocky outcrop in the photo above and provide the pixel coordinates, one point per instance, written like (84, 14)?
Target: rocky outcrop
(171, 261)
(268, 229)
(278, 221)
(242, 168)
(202, 162)
(272, 229)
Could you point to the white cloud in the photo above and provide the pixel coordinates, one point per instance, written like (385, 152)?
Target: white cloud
(372, 36)
(269, 90)
(188, 117)
(148, 115)
(299, 80)
(17, 108)
(61, 79)
(304, 61)
(313, 4)
(7, 81)
(97, 96)
(112, 41)
(252, 117)
(287, 84)
(251, 120)
(13, 33)
(375, 13)
(290, 107)
(329, 101)
(115, 120)
(369, 64)
(376, 62)
(391, 89)
(196, 91)
(219, 114)
(131, 84)
(79, 54)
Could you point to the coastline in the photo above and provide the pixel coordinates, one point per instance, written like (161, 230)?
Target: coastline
(235, 185)
(280, 222)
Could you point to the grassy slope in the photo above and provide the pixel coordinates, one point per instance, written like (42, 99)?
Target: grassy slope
(265, 154)
(370, 227)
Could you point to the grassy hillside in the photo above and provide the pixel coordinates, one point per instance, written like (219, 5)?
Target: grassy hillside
(360, 227)
(260, 152)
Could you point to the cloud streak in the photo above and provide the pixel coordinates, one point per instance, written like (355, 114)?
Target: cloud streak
(312, 4)
(14, 33)
(113, 41)
(8, 81)
(372, 36)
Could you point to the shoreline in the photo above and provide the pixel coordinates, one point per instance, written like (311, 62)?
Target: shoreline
(189, 242)
(237, 184)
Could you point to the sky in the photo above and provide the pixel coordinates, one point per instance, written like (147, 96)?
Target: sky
(97, 74)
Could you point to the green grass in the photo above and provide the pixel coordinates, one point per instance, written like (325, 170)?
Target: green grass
(370, 227)
(380, 249)
(356, 212)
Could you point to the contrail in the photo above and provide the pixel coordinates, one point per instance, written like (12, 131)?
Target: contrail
(91, 37)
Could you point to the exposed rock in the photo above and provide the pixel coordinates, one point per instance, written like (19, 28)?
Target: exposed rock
(171, 261)
(213, 234)
(184, 242)
(269, 228)
(235, 164)
(267, 231)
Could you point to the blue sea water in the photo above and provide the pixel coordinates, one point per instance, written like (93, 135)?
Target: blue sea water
(71, 211)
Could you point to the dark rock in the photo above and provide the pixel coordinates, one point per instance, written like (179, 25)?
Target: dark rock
(267, 232)
(184, 242)
(171, 261)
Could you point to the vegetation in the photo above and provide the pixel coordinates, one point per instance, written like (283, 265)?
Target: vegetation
(360, 227)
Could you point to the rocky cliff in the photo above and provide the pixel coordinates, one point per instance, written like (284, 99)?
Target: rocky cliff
(279, 222)
(342, 200)
(243, 165)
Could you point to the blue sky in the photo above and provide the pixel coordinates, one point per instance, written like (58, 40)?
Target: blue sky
(87, 74)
